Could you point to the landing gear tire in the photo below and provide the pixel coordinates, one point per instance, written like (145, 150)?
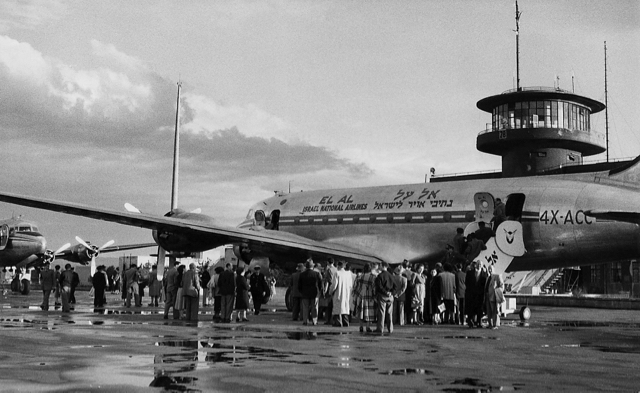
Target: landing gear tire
(287, 300)
(525, 313)
(25, 287)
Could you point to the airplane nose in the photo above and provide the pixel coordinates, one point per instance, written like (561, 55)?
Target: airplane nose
(42, 243)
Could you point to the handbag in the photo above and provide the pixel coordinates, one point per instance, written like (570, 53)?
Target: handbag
(442, 307)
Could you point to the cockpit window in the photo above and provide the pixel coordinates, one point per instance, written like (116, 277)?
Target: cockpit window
(24, 228)
(250, 214)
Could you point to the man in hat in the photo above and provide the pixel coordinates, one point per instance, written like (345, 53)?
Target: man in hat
(259, 289)
(296, 296)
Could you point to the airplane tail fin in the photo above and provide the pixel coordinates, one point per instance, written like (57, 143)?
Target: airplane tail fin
(627, 175)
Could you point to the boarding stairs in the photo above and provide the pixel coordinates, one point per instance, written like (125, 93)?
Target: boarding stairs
(549, 279)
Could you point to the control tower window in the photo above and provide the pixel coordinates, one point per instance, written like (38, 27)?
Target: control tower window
(541, 114)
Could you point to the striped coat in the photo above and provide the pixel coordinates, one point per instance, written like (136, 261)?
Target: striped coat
(366, 292)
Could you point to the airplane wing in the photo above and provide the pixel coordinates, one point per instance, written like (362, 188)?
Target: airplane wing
(69, 254)
(264, 242)
(615, 215)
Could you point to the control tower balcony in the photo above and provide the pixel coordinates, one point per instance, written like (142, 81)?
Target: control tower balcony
(499, 141)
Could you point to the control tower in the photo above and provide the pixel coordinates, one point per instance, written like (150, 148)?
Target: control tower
(536, 129)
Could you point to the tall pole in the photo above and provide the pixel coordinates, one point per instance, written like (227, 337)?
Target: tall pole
(518, 47)
(606, 101)
(176, 154)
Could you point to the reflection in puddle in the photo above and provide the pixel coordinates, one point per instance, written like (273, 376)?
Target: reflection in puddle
(208, 353)
(406, 371)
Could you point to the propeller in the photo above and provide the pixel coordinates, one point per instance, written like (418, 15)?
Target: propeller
(93, 251)
(51, 256)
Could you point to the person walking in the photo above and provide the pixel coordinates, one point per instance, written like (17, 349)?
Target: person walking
(242, 295)
(494, 297)
(48, 283)
(259, 289)
(296, 297)
(191, 293)
(475, 282)
(131, 278)
(310, 287)
(227, 289)
(99, 282)
(171, 292)
(66, 279)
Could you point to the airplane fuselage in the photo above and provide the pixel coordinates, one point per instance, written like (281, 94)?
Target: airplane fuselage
(20, 243)
(416, 221)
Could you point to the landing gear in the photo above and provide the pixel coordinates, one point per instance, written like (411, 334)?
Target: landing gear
(25, 287)
(525, 313)
(287, 299)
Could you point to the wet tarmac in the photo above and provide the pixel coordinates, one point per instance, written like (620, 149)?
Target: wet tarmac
(122, 349)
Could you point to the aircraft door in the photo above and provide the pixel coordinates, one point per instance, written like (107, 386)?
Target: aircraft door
(484, 204)
(514, 206)
(4, 236)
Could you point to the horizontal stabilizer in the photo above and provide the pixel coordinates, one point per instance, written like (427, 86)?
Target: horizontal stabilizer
(615, 215)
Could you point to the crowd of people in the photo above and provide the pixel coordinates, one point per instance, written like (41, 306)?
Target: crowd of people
(460, 289)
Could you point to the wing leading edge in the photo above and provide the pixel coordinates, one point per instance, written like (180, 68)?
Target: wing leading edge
(266, 242)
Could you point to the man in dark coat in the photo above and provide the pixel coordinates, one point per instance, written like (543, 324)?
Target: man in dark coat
(385, 287)
(99, 281)
(74, 285)
(474, 293)
(259, 289)
(227, 290)
(310, 287)
(48, 283)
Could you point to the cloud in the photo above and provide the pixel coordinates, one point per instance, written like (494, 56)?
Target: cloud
(113, 124)
(28, 14)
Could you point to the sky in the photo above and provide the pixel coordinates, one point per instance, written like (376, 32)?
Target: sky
(279, 95)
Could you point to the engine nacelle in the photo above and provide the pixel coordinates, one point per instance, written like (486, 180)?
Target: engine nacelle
(243, 253)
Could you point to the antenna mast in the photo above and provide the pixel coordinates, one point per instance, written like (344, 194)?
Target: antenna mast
(518, 47)
(606, 101)
(176, 154)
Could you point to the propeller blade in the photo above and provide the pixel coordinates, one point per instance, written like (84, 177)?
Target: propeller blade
(79, 240)
(93, 266)
(107, 244)
(64, 247)
(130, 208)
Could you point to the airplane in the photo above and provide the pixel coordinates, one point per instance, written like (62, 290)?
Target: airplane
(23, 246)
(561, 220)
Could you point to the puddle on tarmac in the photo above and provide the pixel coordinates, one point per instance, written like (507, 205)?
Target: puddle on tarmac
(406, 371)
(473, 337)
(632, 348)
(581, 324)
(475, 385)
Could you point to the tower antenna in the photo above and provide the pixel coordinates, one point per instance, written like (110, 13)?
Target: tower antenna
(176, 154)
(606, 101)
(518, 47)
